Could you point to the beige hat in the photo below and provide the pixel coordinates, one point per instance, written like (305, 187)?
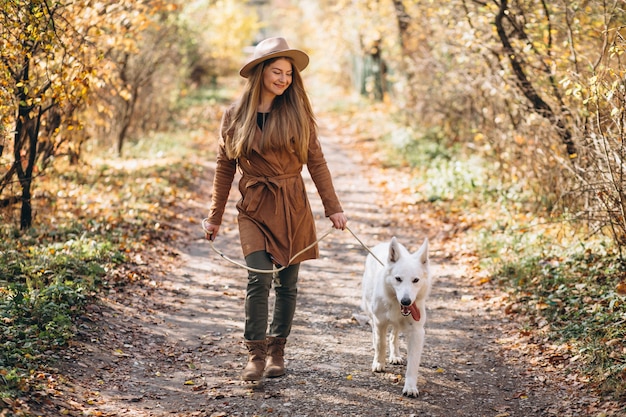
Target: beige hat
(272, 48)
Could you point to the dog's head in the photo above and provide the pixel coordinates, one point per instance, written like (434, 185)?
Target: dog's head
(408, 273)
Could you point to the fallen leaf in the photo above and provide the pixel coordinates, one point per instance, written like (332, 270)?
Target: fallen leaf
(613, 342)
(483, 281)
(520, 395)
(119, 352)
(199, 387)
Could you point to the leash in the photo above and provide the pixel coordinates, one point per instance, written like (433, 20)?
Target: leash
(264, 271)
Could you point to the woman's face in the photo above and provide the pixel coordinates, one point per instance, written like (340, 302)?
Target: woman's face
(277, 76)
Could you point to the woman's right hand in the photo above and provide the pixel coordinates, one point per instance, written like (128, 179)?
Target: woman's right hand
(210, 231)
(339, 220)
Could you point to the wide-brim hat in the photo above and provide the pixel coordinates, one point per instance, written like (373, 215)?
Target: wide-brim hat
(273, 48)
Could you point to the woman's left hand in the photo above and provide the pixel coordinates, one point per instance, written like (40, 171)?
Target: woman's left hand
(339, 220)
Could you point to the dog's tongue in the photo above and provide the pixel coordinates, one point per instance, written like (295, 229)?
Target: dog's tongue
(415, 312)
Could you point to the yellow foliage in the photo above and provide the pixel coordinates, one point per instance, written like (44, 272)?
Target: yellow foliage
(232, 27)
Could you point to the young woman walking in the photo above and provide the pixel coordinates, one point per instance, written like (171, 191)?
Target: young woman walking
(269, 134)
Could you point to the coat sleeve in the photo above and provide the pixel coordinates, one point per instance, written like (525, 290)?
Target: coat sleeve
(224, 175)
(318, 168)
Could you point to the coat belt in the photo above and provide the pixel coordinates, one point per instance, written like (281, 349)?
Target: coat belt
(272, 183)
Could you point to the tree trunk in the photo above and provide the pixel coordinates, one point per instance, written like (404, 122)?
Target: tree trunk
(404, 21)
(539, 105)
(121, 136)
(128, 106)
(26, 213)
(26, 129)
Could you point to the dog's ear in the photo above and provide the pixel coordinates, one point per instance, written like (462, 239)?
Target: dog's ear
(394, 251)
(422, 253)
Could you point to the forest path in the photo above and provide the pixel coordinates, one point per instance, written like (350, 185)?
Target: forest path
(173, 347)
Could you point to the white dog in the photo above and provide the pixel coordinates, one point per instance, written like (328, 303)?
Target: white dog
(394, 295)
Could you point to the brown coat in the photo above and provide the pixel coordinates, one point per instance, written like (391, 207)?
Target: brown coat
(274, 211)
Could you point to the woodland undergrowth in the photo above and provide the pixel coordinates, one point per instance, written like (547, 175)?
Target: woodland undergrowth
(102, 224)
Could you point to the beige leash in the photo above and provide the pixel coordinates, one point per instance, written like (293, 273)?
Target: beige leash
(263, 271)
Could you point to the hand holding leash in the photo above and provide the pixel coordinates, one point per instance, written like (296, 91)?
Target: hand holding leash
(210, 230)
(339, 220)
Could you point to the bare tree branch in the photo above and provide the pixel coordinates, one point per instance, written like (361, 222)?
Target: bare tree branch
(540, 106)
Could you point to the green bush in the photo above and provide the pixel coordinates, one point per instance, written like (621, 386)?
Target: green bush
(572, 299)
(42, 288)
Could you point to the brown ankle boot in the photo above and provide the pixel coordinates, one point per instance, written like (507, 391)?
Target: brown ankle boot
(257, 350)
(275, 364)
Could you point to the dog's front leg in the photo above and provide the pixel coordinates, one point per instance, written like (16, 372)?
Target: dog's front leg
(415, 346)
(394, 347)
(380, 348)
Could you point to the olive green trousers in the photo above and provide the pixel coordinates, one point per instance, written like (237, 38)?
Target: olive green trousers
(258, 295)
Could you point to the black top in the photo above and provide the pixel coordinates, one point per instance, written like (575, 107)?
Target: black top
(261, 119)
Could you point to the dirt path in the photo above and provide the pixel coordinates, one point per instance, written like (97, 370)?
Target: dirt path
(172, 347)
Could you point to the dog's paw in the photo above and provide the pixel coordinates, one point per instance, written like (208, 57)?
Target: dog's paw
(410, 391)
(377, 367)
(396, 360)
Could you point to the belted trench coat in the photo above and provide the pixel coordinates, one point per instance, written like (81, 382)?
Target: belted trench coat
(274, 210)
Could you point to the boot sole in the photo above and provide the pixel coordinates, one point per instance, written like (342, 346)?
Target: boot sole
(249, 379)
(273, 375)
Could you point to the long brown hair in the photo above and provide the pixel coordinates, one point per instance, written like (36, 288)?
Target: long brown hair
(290, 126)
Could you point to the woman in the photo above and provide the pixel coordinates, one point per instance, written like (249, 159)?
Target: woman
(269, 134)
